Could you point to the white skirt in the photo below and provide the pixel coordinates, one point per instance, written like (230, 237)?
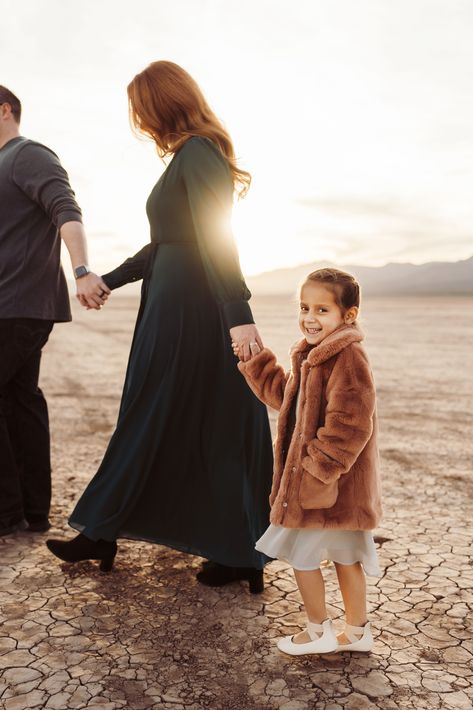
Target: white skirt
(306, 548)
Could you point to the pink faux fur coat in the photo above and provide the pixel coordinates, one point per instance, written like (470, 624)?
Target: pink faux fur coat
(326, 474)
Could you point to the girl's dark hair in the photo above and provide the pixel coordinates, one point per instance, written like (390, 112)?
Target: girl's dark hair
(344, 286)
(8, 97)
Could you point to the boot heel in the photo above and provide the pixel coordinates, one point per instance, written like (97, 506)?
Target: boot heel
(106, 563)
(256, 581)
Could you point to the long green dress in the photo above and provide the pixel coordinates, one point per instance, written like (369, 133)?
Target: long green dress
(190, 462)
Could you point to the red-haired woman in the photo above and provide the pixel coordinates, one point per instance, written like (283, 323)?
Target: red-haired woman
(190, 462)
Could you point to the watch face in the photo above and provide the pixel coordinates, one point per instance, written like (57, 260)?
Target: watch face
(81, 271)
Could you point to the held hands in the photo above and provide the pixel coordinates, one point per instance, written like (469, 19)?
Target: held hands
(246, 341)
(92, 291)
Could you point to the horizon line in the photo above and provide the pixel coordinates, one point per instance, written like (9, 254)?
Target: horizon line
(365, 266)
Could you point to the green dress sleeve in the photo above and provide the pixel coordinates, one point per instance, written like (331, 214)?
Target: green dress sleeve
(209, 191)
(133, 269)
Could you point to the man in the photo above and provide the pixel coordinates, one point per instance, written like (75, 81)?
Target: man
(37, 209)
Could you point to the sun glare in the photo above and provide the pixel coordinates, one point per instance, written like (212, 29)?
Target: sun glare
(271, 229)
(263, 232)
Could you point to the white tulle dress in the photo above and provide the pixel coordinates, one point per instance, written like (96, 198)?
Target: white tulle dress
(306, 548)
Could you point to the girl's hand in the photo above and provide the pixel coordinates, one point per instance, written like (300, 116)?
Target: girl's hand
(247, 339)
(254, 349)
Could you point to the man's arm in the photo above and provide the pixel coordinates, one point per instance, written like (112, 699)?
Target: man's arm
(92, 291)
(38, 172)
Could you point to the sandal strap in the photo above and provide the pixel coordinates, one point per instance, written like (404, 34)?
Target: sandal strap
(314, 630)
(353, 632)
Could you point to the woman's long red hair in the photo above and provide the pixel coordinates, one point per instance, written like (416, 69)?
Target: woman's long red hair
(167, 105)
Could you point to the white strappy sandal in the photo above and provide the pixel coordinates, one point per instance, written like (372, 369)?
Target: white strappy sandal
(323, 640)
(361, 638)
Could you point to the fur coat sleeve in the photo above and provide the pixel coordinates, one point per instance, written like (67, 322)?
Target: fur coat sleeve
(265, 377)
(348, 425)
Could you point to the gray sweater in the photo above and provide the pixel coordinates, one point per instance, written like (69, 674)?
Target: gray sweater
(36, 199)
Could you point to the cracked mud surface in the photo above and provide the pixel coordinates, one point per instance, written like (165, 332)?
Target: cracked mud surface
(148, 635)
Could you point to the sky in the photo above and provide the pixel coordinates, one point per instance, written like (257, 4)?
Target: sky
(353, 116)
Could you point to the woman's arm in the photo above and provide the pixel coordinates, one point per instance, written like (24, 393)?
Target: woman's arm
(133, 269)
(209, 190)
(351, 401)
(265, 377)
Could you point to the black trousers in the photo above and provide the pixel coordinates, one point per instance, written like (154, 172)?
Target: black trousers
(25, 463)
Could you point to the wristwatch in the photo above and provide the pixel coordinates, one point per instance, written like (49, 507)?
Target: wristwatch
(81, 271)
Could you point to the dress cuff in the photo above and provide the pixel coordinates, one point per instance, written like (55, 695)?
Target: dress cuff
(237, 313)
(114, 279)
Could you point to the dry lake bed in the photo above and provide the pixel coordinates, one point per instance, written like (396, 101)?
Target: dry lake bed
(149, 636)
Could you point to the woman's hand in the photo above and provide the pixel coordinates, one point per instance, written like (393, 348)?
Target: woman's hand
(246, 341)
(92, 291)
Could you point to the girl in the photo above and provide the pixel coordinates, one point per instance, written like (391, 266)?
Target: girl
(326, 490)
(183, 468)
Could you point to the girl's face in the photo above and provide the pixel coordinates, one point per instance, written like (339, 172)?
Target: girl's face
(320, 314)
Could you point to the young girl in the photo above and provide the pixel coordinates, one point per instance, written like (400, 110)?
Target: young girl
(325, 495)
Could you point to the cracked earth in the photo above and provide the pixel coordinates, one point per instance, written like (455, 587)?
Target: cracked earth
(148, 635)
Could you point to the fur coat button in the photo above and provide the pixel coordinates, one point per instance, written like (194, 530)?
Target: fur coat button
(284, 505)
(294, 468)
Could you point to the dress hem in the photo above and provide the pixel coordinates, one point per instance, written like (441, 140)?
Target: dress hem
(368, 572)
(305, 549)
(179, 547)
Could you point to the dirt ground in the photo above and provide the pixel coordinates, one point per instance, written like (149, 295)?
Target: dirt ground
(149, 636)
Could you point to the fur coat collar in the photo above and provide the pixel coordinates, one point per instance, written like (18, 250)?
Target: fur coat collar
(330, 346)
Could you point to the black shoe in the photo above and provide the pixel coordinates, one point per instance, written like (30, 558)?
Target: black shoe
(38, 525)
(82, 548)
(13, 528)
(214, 574)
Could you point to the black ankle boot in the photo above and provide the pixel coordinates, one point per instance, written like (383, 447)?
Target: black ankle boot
(82, 548)
(214, 574)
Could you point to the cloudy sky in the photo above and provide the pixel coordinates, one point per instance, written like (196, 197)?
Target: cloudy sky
(354, 117)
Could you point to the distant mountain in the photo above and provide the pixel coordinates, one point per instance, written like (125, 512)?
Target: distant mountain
(436, 277)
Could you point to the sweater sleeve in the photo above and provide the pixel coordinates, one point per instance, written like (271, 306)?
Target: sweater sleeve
(133, 269)
(39, 174)
(265, 377)
(351, 401)
(210, 191)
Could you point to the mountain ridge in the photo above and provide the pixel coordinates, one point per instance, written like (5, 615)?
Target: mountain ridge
(394, 278)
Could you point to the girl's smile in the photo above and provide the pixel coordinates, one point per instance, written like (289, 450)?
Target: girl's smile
(320, 313)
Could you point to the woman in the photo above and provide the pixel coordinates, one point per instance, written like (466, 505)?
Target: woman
(190, 462)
